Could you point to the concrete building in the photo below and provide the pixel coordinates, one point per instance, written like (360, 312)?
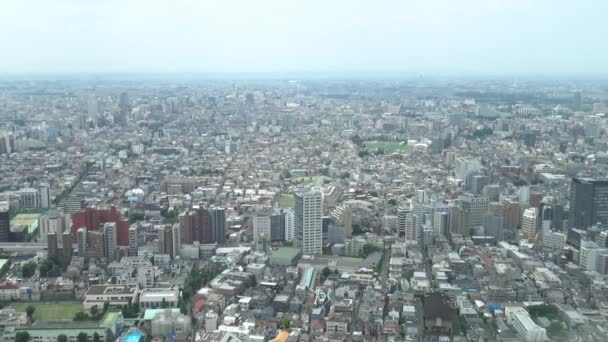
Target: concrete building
(308, 222)
(588, 202)
(109, 229)
(529, 223)
(155, 298)
(527, 329)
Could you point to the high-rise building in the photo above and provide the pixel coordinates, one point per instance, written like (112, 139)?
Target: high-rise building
(290, 224)
(402, 214)
(441, 223)
(5, 221)
(95, 247)
(45, 196)
(529, 223)
(510, 213)
(309, 222)
(66, 246)
(577, 100)
(262, 230)
(53, 221)
(218, 224)
(474, 209)
(411, 228)
(82, 242)
(175, 240)
(343, 214)
(93, 219)
(51, 242)
(29, 198)
(109, 230)
(588, 202)
(277, 226)
(133, 246)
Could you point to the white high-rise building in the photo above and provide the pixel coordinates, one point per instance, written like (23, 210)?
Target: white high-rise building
(175, 240)
(45, 196)
(82, 242)
(109, 229)
(528, 223)
(309, 222)
(402, 214)
(290, 224)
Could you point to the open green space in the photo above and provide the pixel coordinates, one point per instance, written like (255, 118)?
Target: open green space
(51, 312)
(287, 201)
(389, 146)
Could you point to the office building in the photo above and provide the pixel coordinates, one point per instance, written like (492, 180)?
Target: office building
(588, 202)
(474, 210)
(441, 221)
(308, 222)
(529, 224)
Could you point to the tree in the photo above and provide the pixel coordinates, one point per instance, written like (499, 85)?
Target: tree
(94, 311)
(22, 336)
(163, 304)
(325, 272)
(29, 311)
(284, 324)
(62, 338)
(368, 249)
(96, 337)
(82, 337)
(253, 282)
(106, 306)
(392, 202)
(28, 269)
(81, 316)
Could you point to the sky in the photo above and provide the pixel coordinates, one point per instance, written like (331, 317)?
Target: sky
(306, 36)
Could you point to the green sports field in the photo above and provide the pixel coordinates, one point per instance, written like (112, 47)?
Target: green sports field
(51, 312)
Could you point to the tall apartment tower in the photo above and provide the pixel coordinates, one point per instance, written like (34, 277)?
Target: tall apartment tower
(218, 224)
(176, 240)
(132, 241)
(51, 243)
(290, 224)
(529, 223)
(82, 242)
(109, 230)
(441, 224)
(309, 222)
(66, 248)
(588, 202)
(411, 228)
(402, 214)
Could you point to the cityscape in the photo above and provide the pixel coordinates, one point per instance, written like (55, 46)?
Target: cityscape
(303, 172)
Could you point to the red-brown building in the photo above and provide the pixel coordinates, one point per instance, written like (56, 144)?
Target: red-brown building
(93, 219)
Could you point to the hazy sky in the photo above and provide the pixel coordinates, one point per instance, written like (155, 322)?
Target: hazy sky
(443, 36)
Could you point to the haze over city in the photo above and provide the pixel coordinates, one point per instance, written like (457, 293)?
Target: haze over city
(447, 37)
